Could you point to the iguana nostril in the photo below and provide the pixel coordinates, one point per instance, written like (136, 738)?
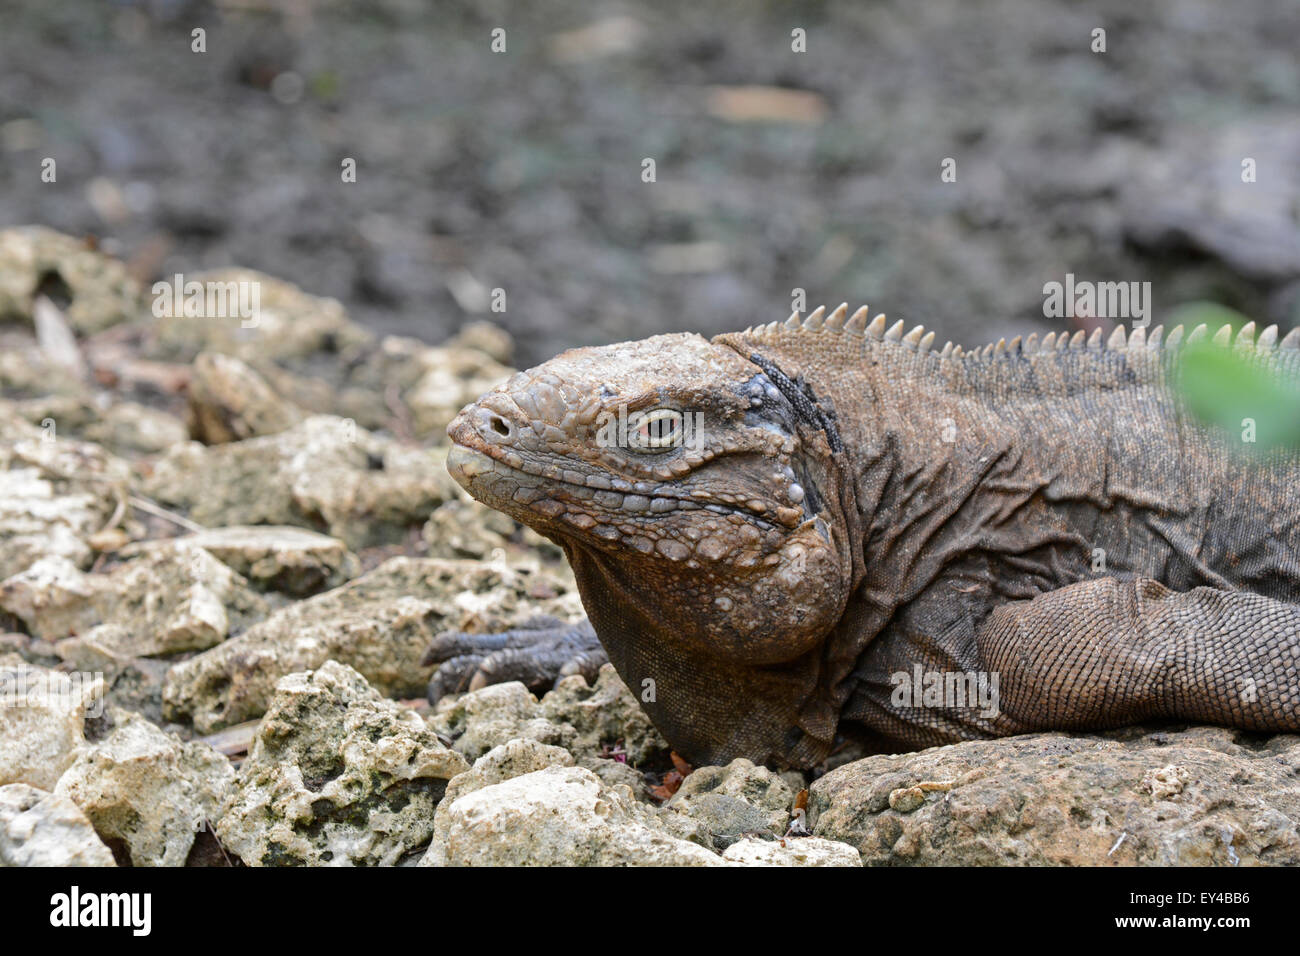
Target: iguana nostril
(500, 426)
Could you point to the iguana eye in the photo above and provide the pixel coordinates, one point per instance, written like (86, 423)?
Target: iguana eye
(656, 431)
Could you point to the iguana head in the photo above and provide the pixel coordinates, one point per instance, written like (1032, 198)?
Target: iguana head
(686, 484)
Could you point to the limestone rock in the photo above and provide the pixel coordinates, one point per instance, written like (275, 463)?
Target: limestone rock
(44, 829)
(804, 851)
(1200, 796)
(289, 325)
(494, 715)
(560, 816)
(505, 762)
(466, 529)
(55, 494)
(42, 721)
(290, 560)
(336, 775)
(588, 721)
(123, 427)
(603, 713)
(148, 790)
(453, 377)
(173, 597)
(228, 401)
(102, 293)
(728, 803)
(28, 372)
(325, 474)
(381, 624)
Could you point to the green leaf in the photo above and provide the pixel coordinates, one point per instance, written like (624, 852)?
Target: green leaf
(1253, 404)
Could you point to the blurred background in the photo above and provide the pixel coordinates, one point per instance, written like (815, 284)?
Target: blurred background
(774, 169)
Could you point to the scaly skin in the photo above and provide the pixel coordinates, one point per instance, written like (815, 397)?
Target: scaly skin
(859, 504)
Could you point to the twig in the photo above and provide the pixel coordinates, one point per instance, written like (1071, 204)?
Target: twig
(160, 512)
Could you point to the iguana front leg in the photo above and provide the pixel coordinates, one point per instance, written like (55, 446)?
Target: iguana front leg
(1109, 652)
(538, 653)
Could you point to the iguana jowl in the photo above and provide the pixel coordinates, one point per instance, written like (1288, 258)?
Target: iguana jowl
(859, 504)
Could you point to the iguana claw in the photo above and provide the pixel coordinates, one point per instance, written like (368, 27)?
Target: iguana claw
(538, 653)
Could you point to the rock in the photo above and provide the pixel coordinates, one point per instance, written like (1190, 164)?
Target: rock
(432, 384)
(148, 791)
(172, 597)
(486, 337)
(494, 715)
(716, 820)
(586, 720)
(44, 829)
(463, 528)
(336, 775)
(381, 624)
(101, 291)
(27, 371)
(453, 377)
(601, 714)
(324, 474)
(228, 401)
(36, 523)
(1204, 795)
(134, 684)
(290, 325)
(124, 428)
(616, 773)
(42, 721)
(52, 598)
(371, 380)
(589, 721)
(803, 851)
(505, 762)
(466, 529)
(1167, 782)
(559, 816)
(726, 804)
(289, 560)
(906, 799)
(55, 494)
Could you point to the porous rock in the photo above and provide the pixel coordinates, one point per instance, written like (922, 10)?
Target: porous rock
(802, 851)
(293, 561)
(1198, 796)
(336, 775)
(324, 474)
(147, 790)
(172, 597)
(38, 828)
(381, 624)
(42, 720)
(560, 816)
(728, 804)
(505, 762)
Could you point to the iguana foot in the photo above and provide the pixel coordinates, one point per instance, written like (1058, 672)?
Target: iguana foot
(538, 653)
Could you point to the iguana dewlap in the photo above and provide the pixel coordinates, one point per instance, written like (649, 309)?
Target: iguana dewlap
(796, 515)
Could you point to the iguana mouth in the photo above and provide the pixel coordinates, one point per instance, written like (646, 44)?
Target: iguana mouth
(466, 464)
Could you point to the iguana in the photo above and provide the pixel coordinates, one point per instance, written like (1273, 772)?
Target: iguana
(857, 509)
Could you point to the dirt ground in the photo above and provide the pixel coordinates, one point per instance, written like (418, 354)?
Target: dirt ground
(522, 169)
